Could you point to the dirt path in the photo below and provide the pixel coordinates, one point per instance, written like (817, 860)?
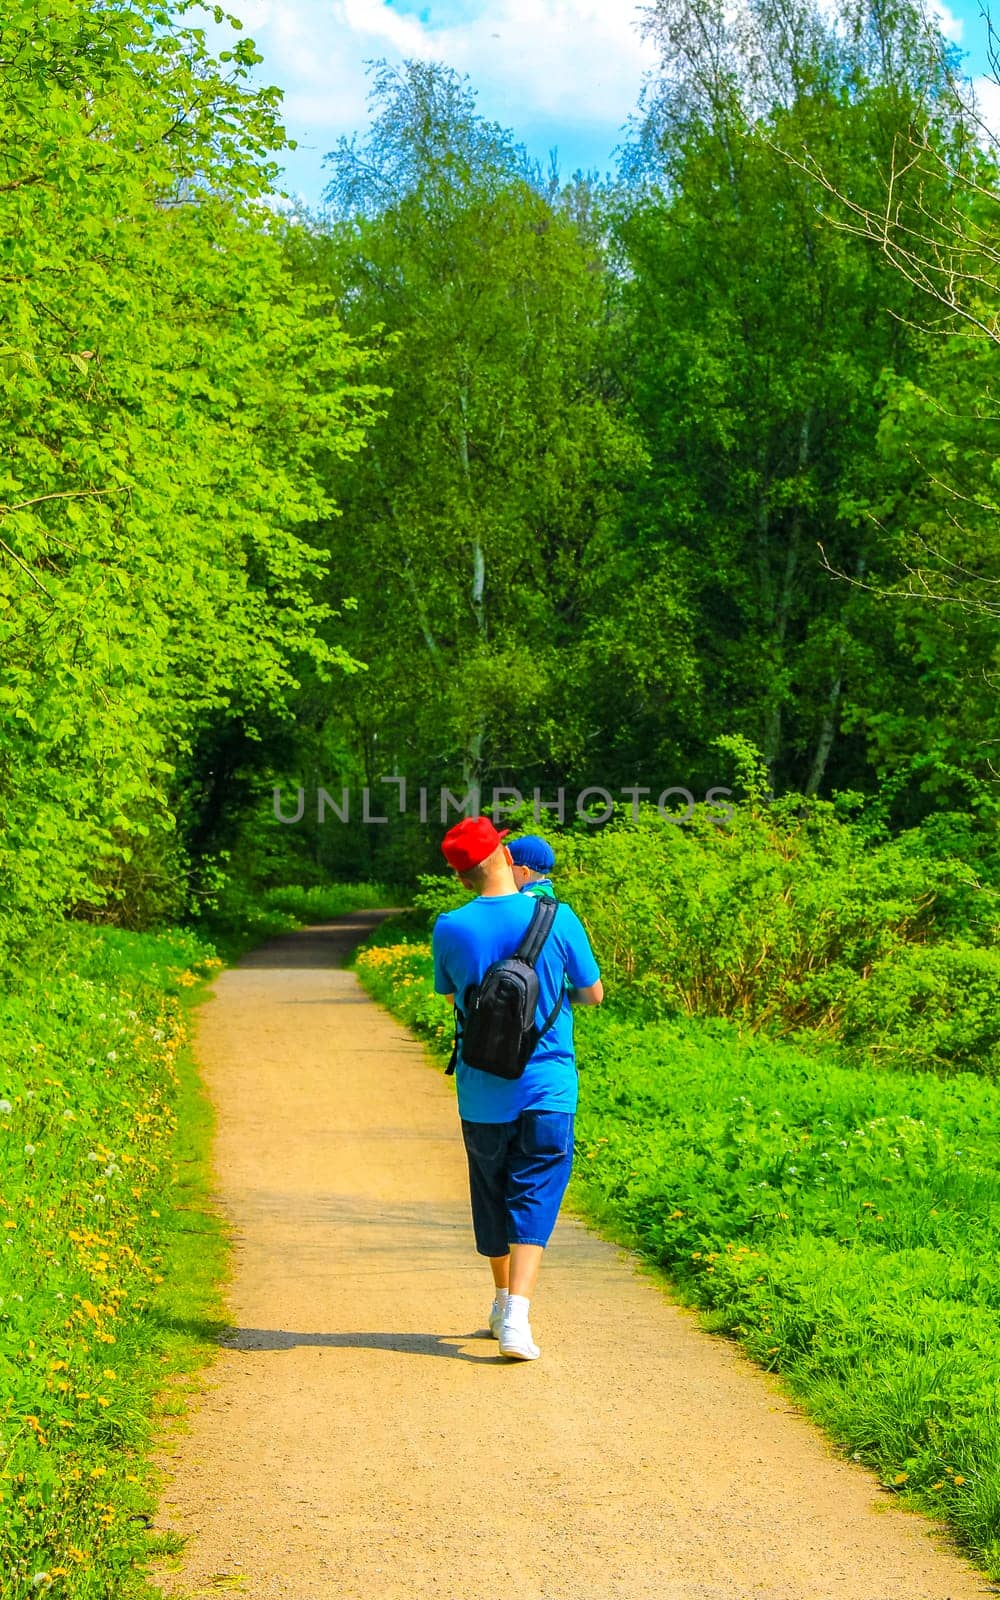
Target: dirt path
(360, 1438)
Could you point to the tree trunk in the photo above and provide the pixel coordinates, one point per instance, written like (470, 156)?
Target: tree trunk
(472, 759)
(828, 726)
(824, 743)
(780, 604)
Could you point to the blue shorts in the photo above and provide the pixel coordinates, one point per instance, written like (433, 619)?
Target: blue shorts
(518, 1172)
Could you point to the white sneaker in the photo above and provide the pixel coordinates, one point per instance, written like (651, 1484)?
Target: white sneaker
(516, 1341)
(497, 1314)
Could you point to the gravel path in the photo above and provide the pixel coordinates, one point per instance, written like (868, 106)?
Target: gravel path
(360, 1438)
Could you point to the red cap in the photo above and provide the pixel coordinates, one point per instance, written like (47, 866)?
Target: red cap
(470, 841)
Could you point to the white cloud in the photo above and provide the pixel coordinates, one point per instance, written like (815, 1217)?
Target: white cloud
(950, 25)
(986, 102)
(576, 62)
(372, 19)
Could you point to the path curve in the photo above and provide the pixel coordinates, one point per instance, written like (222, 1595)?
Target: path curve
(360, 1438)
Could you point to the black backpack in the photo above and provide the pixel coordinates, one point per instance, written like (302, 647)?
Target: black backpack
(498, 1032)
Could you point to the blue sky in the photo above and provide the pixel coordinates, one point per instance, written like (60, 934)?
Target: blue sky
(562, 74)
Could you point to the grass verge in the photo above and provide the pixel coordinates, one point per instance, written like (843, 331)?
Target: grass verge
(102, 1145)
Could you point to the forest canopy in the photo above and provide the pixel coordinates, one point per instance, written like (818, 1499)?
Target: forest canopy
(481, 476)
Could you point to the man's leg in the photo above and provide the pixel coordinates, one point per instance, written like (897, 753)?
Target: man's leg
(486, 1146)
(500, 1267)
(541, 1157)
(501, 1271)
(525, 1260)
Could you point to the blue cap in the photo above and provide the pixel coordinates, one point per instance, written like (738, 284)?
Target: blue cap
(531, 851)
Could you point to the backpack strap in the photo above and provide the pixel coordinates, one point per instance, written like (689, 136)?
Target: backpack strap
(550, 1019)
(538, 930)
(457, 1043)
(530, 949)
(453, 1059)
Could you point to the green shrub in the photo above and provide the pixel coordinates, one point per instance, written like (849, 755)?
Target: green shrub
(930, 1006)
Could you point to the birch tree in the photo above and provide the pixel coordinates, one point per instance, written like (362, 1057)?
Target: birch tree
(470, 520)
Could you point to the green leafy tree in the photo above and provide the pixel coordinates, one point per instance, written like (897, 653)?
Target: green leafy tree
(168, 390)
(476, 520)
(756, 340)
(931, 213)
(930, 710)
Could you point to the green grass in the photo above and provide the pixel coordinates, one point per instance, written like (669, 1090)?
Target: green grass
(103, 1148)
(841, 1222)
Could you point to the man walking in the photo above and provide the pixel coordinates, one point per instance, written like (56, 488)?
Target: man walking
(518, 1132)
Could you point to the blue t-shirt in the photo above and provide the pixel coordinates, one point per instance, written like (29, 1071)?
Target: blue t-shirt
(488, 929)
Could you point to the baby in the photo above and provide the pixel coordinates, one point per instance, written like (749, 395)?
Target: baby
(532, 859)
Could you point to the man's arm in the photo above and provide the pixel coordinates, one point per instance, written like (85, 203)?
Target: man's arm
(591, 996)
(580, 963)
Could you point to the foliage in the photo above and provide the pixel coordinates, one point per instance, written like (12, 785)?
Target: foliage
(243, 916)
(401, 975)
(475, 524)
(928, 714)
(756, 339)
(651, 466)
(168, 391)
(555, 480)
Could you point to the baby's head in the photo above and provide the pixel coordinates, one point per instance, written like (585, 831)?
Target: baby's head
(531, 858)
